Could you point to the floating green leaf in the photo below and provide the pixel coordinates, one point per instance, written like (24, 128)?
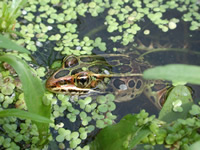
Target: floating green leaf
(178, 94)
(128, 135)
(195, 146)
(175, 72)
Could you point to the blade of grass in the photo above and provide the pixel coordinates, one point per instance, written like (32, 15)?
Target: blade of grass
(8, 44)
(24, 114)
(16, 5)
(33, 92)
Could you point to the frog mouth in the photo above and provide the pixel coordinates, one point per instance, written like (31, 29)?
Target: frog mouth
(70, 89)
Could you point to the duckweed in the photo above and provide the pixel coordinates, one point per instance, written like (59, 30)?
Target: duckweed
(195, 110)
(177, 106)
(103, 108)
(100, 124)
(101, 99)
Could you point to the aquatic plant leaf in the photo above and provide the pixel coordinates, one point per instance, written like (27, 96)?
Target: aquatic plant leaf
(24, 114)
(175, 72)
(195, 146)
(33, 91)
(8, 44)
(121, 136)
(182, 95)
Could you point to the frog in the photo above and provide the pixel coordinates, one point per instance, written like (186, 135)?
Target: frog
(119, 74)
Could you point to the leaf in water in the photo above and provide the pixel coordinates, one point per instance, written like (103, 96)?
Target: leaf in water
(8, 44)
(121, 136)
(24, 114)
(195, 146)
(33, 90)
(175, 72)
(177, 105)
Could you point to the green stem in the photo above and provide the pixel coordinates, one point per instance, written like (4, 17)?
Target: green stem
(165, 49)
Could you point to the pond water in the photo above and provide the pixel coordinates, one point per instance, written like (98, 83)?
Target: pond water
(175, 46)
(179, 46)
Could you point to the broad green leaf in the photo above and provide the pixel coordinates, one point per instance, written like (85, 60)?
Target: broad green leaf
(33, 91)
(175, 72)
(8, 44)
(121, 136)
(139, 135)
(195, 146)
(179, 95)
(24, 114)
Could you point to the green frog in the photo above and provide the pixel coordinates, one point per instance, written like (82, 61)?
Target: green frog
(119, 74)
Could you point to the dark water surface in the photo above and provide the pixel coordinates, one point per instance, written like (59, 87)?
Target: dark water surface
(181, 46)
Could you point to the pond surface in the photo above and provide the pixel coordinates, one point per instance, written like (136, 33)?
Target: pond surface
(175, 46)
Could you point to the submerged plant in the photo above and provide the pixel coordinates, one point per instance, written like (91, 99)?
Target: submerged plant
(8, 15)
(34, 92)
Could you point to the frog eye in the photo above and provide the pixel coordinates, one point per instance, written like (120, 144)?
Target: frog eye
(70, 61)
(82, 79)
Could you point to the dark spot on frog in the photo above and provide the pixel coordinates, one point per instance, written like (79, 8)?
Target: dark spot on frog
(138, 85)
(76, 71)
(117, 83)
(158, 87)
(87, 59)
(114, 62)
(95, 68)
(132, 96)
(131, 83)
(99, 68)
(124, 61)
(122, 69)
(61, 73)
